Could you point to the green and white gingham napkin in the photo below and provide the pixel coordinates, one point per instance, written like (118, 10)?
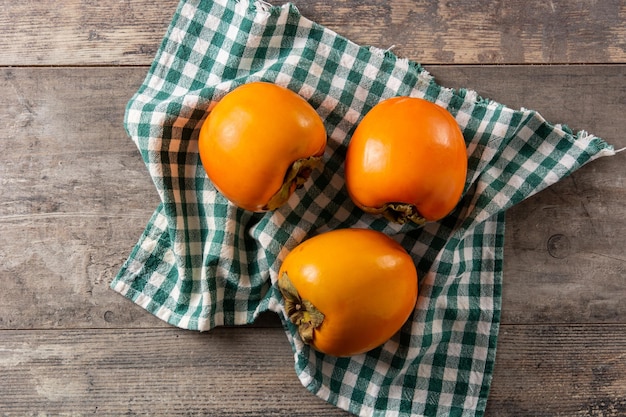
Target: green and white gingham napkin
(203, 263)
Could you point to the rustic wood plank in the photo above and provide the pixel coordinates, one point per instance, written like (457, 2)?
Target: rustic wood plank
(79, 32)
(564, 253)
(484, 32)
(551, 371)
(65, 146)
(56, 269)
(559, 371)
(76, 197)
(154, 372)
(129, 32)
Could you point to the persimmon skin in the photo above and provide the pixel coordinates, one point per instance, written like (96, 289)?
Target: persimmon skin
(361, 280)
(251, 138)
(410, 151)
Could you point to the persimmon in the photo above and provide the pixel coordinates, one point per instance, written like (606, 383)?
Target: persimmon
(407, 160)
(259, 143)
(348, 290)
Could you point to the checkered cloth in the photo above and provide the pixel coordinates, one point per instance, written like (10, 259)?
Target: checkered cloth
(202, 262)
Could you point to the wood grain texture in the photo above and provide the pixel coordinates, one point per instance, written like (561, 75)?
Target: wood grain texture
(128, 32)
(482, 32)
(165, 372)
(82, 32)
(559, 371)
(546, 371)
(76, 196)
(66, 150)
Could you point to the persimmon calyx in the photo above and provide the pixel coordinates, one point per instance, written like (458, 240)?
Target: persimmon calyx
(400, 213)
(296, 176)
(300, 312)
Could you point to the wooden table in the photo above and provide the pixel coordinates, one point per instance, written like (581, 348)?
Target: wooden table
(75, 197)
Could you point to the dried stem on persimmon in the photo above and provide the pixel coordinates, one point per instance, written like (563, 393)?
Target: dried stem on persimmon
(296, 176)
(300, 312)
(400, 213)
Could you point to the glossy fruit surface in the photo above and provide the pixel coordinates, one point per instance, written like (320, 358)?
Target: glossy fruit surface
(407, 160)
(259, 143)
(348, 290)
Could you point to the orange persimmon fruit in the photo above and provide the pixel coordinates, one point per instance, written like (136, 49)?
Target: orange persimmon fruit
(407, 160)
(348, 290)
(259, 143)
